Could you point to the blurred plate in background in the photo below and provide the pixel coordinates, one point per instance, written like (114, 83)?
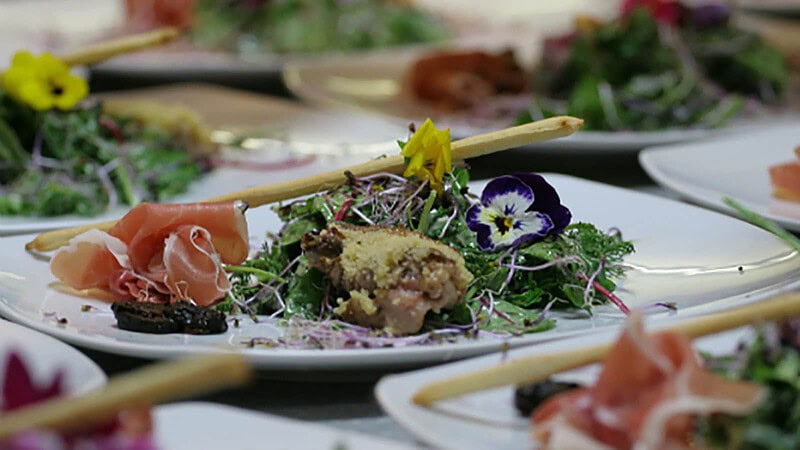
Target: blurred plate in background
(705, 172)
(44, 356)
(378, 83)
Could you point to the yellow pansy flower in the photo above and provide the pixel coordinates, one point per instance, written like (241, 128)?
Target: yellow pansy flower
(43, 82)
(428, 153)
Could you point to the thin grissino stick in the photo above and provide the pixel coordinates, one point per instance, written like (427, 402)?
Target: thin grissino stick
(482, 144)
(538, 367)
(142, 388)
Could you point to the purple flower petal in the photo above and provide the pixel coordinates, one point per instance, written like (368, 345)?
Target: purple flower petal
(19, 389)
(546, 200)
(536, 227)
(482, 230)
(507, 195)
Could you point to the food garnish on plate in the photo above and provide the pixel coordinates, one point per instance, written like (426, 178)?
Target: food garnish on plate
(656, 392)
(648, 394)
(160, 254)
(453, 81)
(295, 26)
(659, 65)
(389, 260)
(380, 260)
(127, 430)
(61, 153)
(785, 178)
(116, 416)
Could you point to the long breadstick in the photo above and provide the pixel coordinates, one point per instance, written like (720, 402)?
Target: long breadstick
(538, 367)
(105, 50)
(142, 388)
(471, 147)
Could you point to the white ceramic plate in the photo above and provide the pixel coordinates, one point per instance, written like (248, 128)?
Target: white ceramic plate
(197, 426)
(44, 356)
(489, 419)
(377, 83)
(700, 260)
(705, 172)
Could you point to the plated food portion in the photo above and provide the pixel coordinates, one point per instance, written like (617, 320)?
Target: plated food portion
(131, 430)
(297, 26)
(651, 391)
(660, 65)
(785, 179)
(636, 80)
(61, 155)
(363, 264)
(755, 169)
(399, 262)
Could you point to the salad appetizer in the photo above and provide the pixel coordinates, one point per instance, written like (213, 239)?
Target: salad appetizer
(785, 179)
(294, 26)
(656, 392)
(61, 154)
(381, 260)
(659, 65)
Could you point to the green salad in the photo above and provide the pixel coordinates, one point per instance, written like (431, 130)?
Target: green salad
(62, 154)
(641, 72)
(524, 256)
(771, 360)
(307, 26)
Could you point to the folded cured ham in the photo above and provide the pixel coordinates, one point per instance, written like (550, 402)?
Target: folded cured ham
(646, 397)
(159, 253)
(786, 179)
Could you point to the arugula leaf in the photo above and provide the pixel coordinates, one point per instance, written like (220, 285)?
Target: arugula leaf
(305, 293)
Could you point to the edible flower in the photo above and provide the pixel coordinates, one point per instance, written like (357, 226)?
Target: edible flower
(20, 389)
(428, 155)
(515, 209)
(43, 82)
(665, 11)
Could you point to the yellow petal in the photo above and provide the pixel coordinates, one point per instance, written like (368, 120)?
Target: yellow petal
(414, 144)
(51, 66)
(35, 94)
(74, 89)
(447, 156)
(23, 58)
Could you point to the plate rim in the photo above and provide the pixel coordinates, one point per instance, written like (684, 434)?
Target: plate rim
(98, 375)
(651, 160)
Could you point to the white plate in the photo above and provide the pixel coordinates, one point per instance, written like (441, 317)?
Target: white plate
(489, 419)
(705, 172)
(45, 356)
(377, 83)
(199, 426)
(686, 255)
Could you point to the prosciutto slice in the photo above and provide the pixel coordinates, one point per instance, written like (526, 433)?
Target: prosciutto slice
(647, 394)
(785, 179)
(159, 253)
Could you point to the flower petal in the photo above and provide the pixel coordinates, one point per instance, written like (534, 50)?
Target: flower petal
(531, 226)
(35, 93)
(73, 88)
(546, 200)
(51, 66)
(415, 144)
(482, 230)
(508, 195)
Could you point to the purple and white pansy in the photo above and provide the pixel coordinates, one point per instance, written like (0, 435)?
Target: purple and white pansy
(517, 208)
